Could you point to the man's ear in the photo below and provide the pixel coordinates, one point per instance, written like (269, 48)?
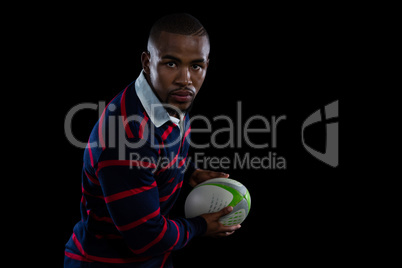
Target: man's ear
(145, 60)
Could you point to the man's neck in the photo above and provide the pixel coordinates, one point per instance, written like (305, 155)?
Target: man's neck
(172, 112)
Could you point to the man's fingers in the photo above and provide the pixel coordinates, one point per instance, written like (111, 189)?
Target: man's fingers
(225, 234)
(228, 230)
(231, 228)
(215, 227)
(224, 211)
(214, 174)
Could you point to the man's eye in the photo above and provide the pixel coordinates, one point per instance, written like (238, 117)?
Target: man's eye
(196, 67)
(171, 64)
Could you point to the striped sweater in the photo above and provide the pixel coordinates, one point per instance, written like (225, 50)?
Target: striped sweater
(131, 178)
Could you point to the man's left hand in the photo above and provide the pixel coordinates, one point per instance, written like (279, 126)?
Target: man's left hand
(201, 175)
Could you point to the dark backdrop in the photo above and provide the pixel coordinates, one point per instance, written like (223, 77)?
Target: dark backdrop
(287, 61)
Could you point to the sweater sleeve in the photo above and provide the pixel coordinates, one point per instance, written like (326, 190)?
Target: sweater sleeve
(132, 199)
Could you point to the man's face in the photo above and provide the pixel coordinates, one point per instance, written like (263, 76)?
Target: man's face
(176, 66)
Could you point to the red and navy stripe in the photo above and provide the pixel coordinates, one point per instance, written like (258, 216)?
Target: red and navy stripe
(125, 202)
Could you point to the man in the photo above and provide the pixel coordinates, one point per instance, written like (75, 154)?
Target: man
(136, 159)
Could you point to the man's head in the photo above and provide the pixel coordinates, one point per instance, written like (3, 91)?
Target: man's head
(176, 62)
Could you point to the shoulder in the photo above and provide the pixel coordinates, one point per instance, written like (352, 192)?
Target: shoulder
(119, 122)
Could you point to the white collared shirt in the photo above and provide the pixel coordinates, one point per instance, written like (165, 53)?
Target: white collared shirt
(154, 108)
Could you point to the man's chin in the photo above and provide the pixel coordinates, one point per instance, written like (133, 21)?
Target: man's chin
(180, 106)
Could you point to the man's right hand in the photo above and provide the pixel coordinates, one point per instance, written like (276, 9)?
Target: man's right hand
(217, 229)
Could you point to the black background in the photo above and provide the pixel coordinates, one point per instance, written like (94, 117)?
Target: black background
(290, 60)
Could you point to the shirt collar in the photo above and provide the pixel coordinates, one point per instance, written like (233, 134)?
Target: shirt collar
(154, 108)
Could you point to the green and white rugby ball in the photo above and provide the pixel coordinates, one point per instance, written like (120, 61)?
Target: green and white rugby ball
(216, 194)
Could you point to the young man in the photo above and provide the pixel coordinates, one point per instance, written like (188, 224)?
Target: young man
(136, 159)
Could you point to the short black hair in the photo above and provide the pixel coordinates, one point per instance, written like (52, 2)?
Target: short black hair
(178, 23)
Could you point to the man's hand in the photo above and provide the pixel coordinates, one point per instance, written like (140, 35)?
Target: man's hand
(217, 229)
(201, 175)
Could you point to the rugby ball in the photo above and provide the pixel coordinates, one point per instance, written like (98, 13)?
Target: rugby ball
(216, 194)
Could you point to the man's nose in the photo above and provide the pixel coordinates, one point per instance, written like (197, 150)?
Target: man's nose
(183, 77)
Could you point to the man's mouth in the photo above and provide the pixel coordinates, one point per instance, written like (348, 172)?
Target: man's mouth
(182, 95)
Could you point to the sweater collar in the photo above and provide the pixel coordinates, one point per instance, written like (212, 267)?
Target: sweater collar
(154, 108)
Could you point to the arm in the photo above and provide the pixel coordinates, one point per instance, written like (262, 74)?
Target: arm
(132, 199)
